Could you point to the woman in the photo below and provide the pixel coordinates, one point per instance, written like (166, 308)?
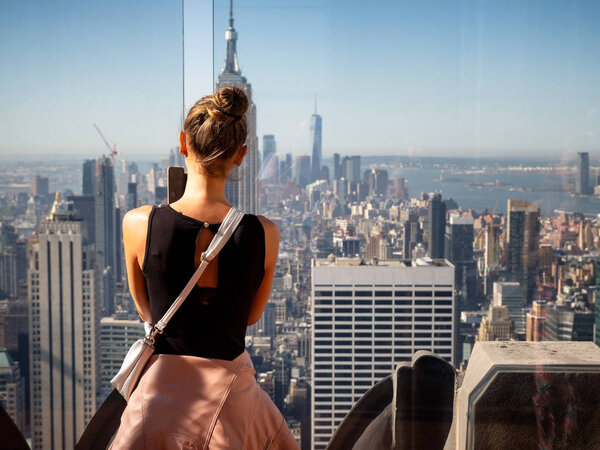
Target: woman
(200, 391)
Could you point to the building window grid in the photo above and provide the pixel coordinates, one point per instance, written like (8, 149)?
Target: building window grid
(359, 385)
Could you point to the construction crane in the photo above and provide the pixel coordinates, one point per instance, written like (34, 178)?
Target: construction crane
(495, 207)
(113, 149)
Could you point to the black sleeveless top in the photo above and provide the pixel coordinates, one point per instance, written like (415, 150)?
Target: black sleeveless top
(211, 322)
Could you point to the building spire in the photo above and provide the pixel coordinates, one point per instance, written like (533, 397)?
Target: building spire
(61, 210)
(54, 206)
(231, 62)
(315, 104)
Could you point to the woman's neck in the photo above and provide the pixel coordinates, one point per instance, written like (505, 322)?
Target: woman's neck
(202, 188)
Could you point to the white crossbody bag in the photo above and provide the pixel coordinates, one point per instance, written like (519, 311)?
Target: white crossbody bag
(140, 352)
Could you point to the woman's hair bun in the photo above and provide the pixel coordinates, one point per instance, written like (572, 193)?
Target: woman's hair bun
(216, 128)
(229, 104)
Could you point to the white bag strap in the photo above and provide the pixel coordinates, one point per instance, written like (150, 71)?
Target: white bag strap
(230, 223)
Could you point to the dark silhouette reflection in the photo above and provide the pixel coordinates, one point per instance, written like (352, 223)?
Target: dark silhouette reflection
(409, 409)
(10, 436)
(104, 424)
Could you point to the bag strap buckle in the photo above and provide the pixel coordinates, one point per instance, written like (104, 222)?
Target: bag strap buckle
(155, 331)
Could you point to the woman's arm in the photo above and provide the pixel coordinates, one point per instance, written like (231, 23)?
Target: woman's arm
(271, 251)
(135, 229)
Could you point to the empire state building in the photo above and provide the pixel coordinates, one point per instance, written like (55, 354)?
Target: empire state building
(241, 190)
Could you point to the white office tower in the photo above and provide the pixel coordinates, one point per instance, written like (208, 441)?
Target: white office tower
(243, 193)
(63, 337)
(368, 318)
(116, 337)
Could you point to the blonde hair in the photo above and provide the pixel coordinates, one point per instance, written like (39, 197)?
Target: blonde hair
(216, 128)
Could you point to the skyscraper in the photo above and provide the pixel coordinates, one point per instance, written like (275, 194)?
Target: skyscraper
(582, 177)
(459, 251)
(536, 322)
(84, 207)
(303, 170)
(510, 294)
(13, 262)
(105, 230)
(316, 126)
(64, 319)
(382, 181)
(401, 189)
(437, 226)
(269, 147)
(351, 168)
(337, 166)
(491, 245)
(368, 318)
(285, 172)
(377, 180)
(39, 187)
(8, 261)
(406, 239)
(89, 177)
(131, 196)
(522, 243)
(496, 326)
(119, 250)
(241, 190)
(569, 323)
(270, 162)
(116, 337)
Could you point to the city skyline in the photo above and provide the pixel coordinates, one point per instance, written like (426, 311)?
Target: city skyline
(450, 79)
(369, 223)
(379, 257)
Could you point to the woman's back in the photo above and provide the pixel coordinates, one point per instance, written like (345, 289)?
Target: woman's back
(199, 389)
(212, 321)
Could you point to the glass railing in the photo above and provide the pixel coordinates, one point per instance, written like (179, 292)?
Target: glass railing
(92, 104)
(433, 169)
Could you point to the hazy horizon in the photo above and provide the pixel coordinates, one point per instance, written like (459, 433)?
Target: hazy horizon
(568, 158)
(392, 78)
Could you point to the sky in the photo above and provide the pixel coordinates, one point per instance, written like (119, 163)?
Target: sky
(421, 77)
(68, 64)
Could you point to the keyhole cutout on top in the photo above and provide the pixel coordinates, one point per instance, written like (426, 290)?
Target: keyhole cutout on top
(210, 276)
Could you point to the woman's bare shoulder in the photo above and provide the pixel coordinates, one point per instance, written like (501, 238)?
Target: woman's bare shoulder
(269, 226)
(136, 218)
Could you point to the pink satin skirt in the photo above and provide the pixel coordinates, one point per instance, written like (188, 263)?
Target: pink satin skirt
(186, 402)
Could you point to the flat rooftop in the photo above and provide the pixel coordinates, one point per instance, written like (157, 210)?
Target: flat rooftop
(355, 262)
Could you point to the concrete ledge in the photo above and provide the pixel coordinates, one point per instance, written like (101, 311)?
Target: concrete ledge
(526, 394)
